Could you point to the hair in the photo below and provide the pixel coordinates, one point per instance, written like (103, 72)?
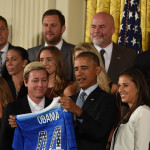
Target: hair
(143, 97)
(60, 78)
(4, 20)
(102, 78)
(90, 55)
(23, 52)
(55, 12)
(5, 93)
(36, 65)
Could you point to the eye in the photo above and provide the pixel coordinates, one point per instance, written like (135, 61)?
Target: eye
(54, 25)
(41, 60)
(35, 81)
(75, 68)
(125, 85)
(49, 59)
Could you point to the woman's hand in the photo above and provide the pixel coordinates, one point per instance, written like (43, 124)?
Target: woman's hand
(12, 121)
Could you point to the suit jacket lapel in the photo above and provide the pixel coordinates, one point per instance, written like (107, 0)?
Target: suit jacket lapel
(47, 101)
(25, 105)
(91, 99)
(114, 60)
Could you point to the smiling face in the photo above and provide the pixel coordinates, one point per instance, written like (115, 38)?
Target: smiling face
(3, 34)
(37, 85)
(86, 72)
(14, 62)
(127, 90)
(52, 29)
(49, 62)
(102, 29)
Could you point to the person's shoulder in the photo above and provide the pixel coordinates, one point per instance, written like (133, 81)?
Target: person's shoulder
(101, 93)
(145, 54)
(124, 50)
(66, 44)
(35, 47)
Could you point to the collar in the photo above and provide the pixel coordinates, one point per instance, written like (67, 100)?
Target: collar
(108, 48)
(36, 107)
(59, 45)
(5, 49)
(89, 90)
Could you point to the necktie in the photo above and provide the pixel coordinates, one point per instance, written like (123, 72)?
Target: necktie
(102, 55)
(1, 63)
(81, 99)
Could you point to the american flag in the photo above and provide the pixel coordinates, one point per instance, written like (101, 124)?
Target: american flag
(130, 31)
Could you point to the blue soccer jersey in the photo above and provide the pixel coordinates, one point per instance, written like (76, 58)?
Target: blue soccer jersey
(49, 129)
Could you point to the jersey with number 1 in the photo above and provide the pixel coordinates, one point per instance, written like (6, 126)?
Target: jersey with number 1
(49, 129)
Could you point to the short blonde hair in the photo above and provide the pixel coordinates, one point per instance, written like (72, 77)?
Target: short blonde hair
(36, 65)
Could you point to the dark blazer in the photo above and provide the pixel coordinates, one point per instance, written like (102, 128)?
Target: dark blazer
(15, 108)
(121, 58)
(66, 50)
(22, 92)
(99, 111)
(143, 60)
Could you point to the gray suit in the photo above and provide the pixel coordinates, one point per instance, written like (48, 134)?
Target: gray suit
(121, 58)
(66, 50)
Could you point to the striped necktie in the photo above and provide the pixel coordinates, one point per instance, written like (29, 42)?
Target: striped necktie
(1, 63)
(81, 99)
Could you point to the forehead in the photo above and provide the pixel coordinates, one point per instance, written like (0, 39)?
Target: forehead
(37, 74)
(51, 18)
(124, 78)
(46, 53)
(101, 20)
(13, 52)
(2, 23)
(83, 61)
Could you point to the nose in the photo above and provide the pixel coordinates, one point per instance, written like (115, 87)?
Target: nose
(40, 84)
(8, 63)
(120, 88)
(78, 72)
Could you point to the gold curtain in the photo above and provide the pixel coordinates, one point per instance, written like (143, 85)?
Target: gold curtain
(115, 8)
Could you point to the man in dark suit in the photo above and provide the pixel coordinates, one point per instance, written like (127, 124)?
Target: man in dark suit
(53, 27)
(4, 45)
(36, 80)
(94, 113)
(116, 57)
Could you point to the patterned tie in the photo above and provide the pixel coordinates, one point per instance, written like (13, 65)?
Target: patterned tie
(102, 51)
(1, 63)
(81, 99)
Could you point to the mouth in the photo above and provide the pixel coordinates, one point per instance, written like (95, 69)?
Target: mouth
(10, 69)
(80, 80)
(123, 95)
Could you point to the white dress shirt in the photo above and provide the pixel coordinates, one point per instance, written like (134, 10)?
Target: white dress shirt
(36, 107)
(88, 91)
(107, 54)
(59, 45)
(4, 50)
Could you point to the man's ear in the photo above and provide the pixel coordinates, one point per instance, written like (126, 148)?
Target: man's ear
(63, 29)
(25, 83)
(98, 70)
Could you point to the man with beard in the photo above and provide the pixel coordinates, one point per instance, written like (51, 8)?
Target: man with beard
(53, 27)
(115, 57)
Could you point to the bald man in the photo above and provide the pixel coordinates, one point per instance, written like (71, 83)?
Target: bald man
(116, 57)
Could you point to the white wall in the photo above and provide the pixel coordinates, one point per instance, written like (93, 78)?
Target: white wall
(24, 19)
